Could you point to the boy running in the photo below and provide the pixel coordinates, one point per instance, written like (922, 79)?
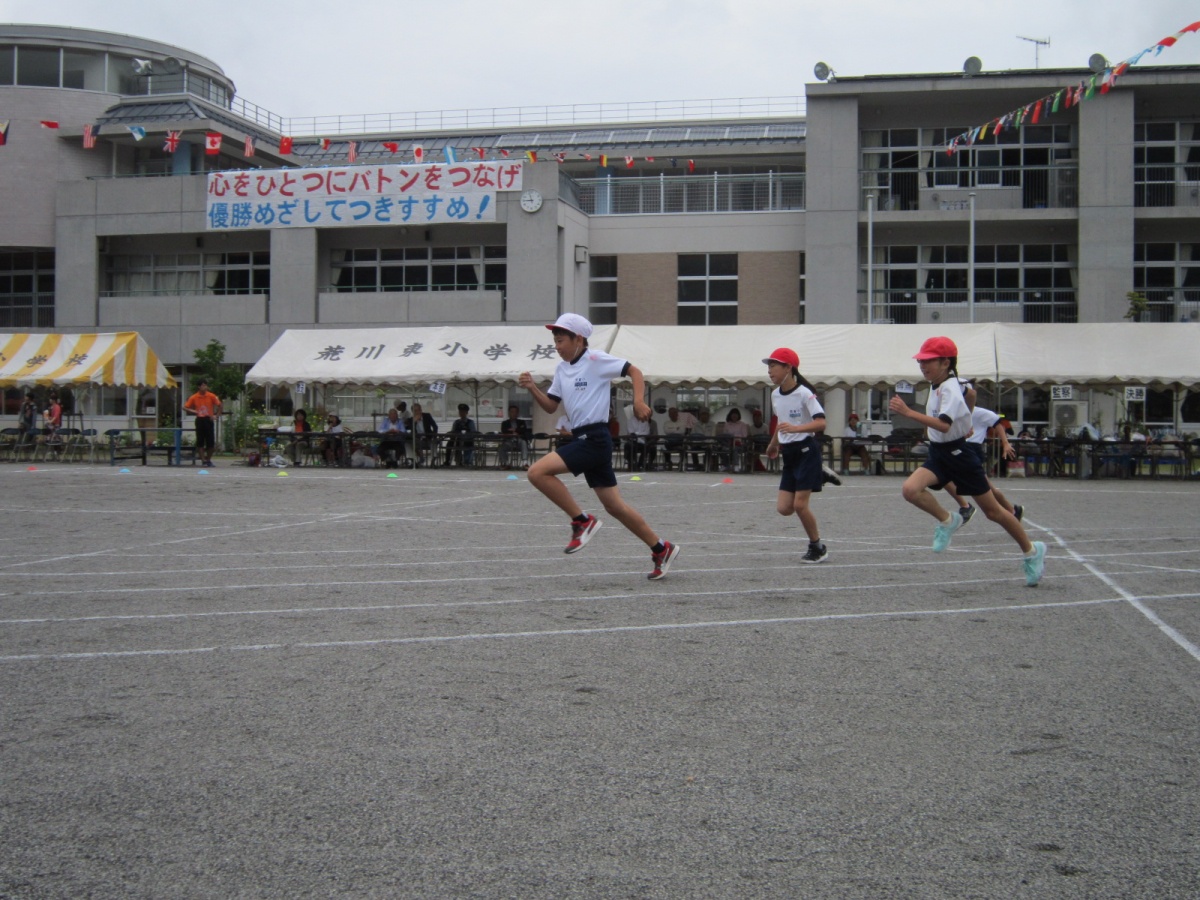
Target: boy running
(581, 384)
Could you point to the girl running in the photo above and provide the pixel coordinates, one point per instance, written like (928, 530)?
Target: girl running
(800, 419)
(949, 422)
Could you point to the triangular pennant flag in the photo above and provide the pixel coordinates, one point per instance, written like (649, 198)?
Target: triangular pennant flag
(285, 144)
(138, 132)
(3, 132)
(629, 162)
(171, 141)
(691, 166)
(479, 150)
(531, 155)
(212, 143)
(47, 123)
(504, 153)
(1057, 98)
(249, 148)
(1037, 112)
(451, 156)
(325, 143)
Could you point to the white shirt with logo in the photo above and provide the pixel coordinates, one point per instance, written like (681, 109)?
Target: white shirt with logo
(947, 400)
(582, 386)
(797, 407)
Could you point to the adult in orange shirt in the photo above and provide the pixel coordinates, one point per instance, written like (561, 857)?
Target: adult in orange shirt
(205, 406)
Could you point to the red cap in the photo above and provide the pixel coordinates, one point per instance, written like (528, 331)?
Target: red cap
(785, 356)
(936, 348)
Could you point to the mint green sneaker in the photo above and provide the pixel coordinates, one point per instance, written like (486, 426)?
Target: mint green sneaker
(1035, 565)
(943, 533)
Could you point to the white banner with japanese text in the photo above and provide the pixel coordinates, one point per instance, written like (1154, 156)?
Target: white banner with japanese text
(334, 196)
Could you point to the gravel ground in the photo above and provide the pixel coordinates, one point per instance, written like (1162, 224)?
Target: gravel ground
(240, 683)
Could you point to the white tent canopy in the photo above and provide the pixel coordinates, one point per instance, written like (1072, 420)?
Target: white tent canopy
(831, 356)
(395, 356)
(121, 359)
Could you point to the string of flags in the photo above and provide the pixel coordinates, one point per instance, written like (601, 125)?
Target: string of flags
(1064, 98)
(213, 141)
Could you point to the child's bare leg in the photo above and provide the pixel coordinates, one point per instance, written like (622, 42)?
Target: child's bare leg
(1001, 499)
(543, 475)
(916, 491)
(993, 510)
(615, 506)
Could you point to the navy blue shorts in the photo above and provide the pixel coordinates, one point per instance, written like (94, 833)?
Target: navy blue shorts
(590, 455)
(958, 462)
(801, 466)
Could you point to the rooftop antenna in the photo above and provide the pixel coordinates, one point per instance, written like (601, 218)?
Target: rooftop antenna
(1038, 43)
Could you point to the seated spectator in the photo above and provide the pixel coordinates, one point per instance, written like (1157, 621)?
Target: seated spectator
(733, 437)
(462, 444)
(517, 442)
(675, 430)
(299, 443)
(392, 444)
(423, 428)
(333, 448)
(853, 446)
(637, 442)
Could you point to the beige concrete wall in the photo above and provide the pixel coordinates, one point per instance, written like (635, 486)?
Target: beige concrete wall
(646, 289)
(768, 288)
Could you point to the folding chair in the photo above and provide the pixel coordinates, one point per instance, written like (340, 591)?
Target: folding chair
(8, 442)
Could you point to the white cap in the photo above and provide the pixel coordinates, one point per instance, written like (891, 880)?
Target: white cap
(574, 323)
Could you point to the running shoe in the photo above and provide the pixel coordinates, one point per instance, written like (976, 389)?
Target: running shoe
(827, 474)
(966, 513)
(943, 533)
(1018, 511)
(817, 553)
(1035, 565)
(581, 533)
(662, 561)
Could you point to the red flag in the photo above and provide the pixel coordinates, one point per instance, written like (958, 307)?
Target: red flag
(504, 153)
(212, 143)
(531, 155)
(391, 146)
(691, 166)
(249, 148)
(324, 143)
(649, 159)
(89, 137)
(285, 145)
(352, 151)
(418, 153)
(1037, 112)
(482, 153)
(171, 141)
(629, 162)
(3, 132)
(46, 123)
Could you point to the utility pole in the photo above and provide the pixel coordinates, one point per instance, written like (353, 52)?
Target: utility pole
(1038, 43)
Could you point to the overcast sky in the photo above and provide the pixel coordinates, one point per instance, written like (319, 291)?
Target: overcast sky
(317, 57)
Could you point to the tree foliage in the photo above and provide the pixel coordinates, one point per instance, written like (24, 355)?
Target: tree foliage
(227, 381)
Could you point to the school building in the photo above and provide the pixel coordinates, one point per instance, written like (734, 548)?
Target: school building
(832, 203)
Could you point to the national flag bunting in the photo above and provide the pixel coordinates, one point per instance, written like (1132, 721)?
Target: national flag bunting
(248, 149)
(138, 132)
(604, 160)
(629, 162)
(47, 123)
(451, 156)
(3, 132)
(391, 146)
(171, 142)
(89, 137)
(352, 151)
(482, 152)
(691, 166)
(212, 143)
(418, 153)
(560, 157)
(325, 143)
(285, 144)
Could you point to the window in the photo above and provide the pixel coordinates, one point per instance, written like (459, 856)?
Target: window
(27, 289)
(708, 288)
(8, 61)
(602, 290)
(245, 272)
(372, 269)
(37, 67)
(1168, 275)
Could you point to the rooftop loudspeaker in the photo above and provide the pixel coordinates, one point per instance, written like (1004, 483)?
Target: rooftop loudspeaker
(972, 66)
(1097, 62)
(823, 72)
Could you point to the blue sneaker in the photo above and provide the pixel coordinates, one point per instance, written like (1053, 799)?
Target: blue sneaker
(966, 513)
(1035, 564)
(943, 533)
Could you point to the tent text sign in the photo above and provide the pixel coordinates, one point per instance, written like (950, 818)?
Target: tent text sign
(335, 196)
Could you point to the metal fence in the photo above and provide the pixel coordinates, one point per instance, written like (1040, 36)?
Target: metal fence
(908, 307)
(1010, 187)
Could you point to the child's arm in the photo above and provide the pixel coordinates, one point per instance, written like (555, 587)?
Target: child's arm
(526, 381)
(901, 408)
(641, 409)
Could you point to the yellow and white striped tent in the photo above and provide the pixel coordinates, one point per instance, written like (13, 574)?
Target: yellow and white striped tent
(120, 359)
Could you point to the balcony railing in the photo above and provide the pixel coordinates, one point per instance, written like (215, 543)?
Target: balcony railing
(677, 194)
(907, 307)
(1167, 185)
(1013, 187)
(1171, 305)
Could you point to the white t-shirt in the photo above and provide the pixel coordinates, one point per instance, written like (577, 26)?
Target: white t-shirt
(635, 425)
(797, 407)
(981, 420)
(583, 386)
(947, 400)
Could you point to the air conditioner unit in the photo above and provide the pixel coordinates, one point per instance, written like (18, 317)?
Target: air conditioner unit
(1069, 413)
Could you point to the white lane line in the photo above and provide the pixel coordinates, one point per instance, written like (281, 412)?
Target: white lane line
(561, 632)
(1129, 598)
